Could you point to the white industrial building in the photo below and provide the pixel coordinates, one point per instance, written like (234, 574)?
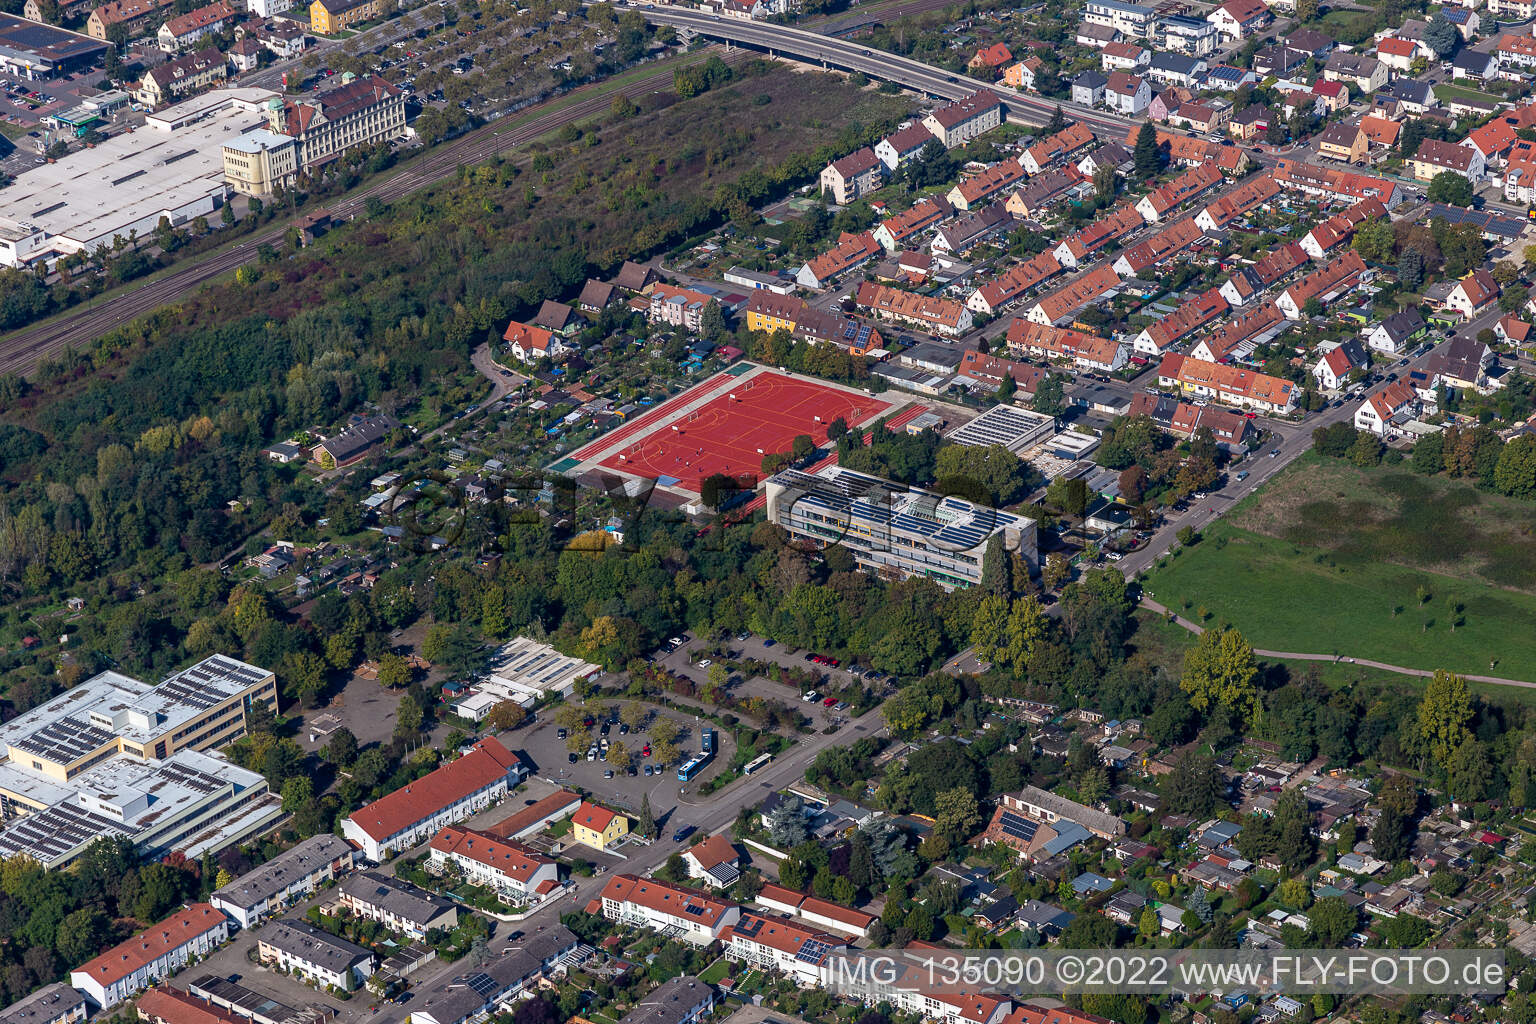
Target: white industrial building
(524, 672)
(173, 167)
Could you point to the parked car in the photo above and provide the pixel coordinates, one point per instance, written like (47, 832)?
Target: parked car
(810, 696)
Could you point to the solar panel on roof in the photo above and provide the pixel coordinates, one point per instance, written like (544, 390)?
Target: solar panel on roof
(481, 984)
(1017, 826)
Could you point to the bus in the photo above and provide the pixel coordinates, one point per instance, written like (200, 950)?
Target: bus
(707, 741)
(693, 766)
(753, 765)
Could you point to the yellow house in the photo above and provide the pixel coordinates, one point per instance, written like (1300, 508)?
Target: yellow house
(598, 827)
(330, 16)
(1343, 141)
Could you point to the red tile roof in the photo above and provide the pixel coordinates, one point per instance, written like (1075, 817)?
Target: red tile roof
(696, 907)
(174, 1006)
(510, 858)
(525, 818)
(486, 762)
(713, 851)
(154, 942)
(967, 109)
(593, 816)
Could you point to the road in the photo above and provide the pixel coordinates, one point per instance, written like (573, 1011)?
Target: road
(829, 51)
(707, 815)
(20, 350)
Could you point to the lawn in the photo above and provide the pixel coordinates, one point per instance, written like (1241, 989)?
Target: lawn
(716, 971)
(1461, 92)
(1378, 564)
(1350, 27)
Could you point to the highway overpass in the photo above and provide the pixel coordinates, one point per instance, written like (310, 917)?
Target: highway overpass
(832, 52)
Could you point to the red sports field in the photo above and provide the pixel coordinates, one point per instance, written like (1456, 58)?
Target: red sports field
(731, 433)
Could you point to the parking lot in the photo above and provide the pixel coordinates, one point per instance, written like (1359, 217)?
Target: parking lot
(543, 745)
(688, 660)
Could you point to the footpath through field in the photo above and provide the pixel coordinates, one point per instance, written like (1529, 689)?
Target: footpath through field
(1197, 629)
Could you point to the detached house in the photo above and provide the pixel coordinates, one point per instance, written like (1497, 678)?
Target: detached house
(990, 60)
(1236, 20)
(1394, 334)
(715, 861)
(1127, 94)
(1365, 74)
(1394, 401)
(1473, 293)
(1333, 369)
(530, 343)
(1022, 75)
(1344, 141)
(1127, 57)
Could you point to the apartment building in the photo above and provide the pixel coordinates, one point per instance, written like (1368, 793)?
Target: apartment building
(925, 312)
(957, 123)
(182, 76)
(444, 796)
(284, 880)
(1436, 157)
(855, 175)
(150, 956)
(1336, 185)
(1229, 385)
(396, 904)
(315, 955)
(328, 17)
(183, 30)
(134, 16)
(597, 826)
(651, 903)
(903, 145)
(1113, 226)
(1134, 21)
(518, 874)
(893, 531)
(363, 112)
(795, 950)
(1056, 147)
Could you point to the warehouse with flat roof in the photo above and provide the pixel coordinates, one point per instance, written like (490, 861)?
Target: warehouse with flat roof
(172, 167)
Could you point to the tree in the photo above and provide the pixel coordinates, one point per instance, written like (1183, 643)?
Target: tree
(1389, 836)
(1468, 772)
(341, 748)
(1444, 715)
(1441, 36)
(956, 813)
(1151, 925)
(1194, 786)
(836, 429)
(394, 671)
(646, 826)
(505, 715)
(1333, 920)
(634, 714)
(1450, 188)
(1220, 670)
(712, 320)
(786, 823)
(1515, 473)
(1105, 181)
(802, 447)
(1147, 158)
(1056, 123)
(619, 757)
